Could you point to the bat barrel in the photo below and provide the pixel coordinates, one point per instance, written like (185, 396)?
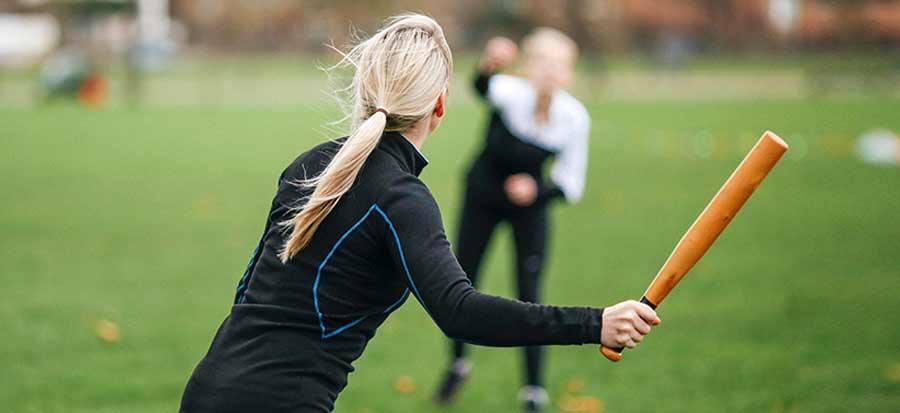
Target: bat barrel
(712, 221)
(718, 214)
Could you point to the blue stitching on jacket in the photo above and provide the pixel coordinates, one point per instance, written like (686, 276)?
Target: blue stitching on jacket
(241, 294)
(319, 276)
(250, 265)
(403, 258)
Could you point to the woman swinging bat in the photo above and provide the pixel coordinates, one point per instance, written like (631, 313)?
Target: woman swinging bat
(351, 234)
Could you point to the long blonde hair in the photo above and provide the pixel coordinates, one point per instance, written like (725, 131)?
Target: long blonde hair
(400, 73)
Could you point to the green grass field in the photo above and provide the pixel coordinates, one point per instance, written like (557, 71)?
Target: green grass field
(148, 217)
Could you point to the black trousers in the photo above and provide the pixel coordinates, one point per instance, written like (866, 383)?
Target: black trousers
(529, 225)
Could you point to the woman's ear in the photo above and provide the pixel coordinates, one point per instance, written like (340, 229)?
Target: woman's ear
(440, 105)
(438, 113)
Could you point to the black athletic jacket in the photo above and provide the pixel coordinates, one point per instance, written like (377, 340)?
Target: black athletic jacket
(295, 328)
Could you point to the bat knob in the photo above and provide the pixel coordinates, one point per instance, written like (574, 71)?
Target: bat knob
(611, 354)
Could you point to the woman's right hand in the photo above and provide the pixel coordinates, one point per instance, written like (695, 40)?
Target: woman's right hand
(500, 52)
(625, 324)
(521, 189)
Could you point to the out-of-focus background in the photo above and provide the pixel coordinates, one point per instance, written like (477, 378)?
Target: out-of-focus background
(140, 142)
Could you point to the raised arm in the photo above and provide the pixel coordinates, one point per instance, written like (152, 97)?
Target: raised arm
(419, 247)
(499, 53)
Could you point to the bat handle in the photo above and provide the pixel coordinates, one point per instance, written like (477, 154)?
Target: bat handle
(615, 354)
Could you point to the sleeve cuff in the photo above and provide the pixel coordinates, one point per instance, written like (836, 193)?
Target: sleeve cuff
(548, 193)
(482, 80)
(592, 326)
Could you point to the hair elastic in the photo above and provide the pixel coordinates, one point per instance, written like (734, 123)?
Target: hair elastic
(382, 110)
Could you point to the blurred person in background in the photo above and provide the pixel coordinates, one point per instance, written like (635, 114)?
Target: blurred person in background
(351, 234)
(532, 121)
(70, 74)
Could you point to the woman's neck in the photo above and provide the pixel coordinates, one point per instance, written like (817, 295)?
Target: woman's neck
(416, 134)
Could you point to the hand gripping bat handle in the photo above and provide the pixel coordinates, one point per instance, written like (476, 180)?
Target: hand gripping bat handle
(615, 354)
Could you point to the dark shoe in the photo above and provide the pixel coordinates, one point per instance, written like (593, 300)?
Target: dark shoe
(454, 378)
(534, 399)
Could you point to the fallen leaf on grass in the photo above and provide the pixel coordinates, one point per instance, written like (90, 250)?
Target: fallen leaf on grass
(204, 205)
(405, 385)
(893, 373)
(581, 404)
(107, 331)
(778, 407)
(574, 386)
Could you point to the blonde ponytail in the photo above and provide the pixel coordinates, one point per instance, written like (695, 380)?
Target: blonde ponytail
(334, 182)
(399, 74)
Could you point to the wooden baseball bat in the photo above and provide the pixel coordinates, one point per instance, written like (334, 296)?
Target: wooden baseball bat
(714, 218)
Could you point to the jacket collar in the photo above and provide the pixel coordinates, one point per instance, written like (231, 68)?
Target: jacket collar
(409, 157)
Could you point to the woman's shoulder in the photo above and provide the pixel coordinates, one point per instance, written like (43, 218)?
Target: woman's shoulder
(404, 192)
(309, 163)
(509, 80)
(505, 89)
(399, 182)
(572, 109)
(381, 176)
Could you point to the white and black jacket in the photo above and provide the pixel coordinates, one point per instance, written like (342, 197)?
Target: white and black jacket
(515, 143)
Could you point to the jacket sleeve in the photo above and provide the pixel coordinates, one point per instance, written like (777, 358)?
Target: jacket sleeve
(546, 192)
(419, 248)
(482, 80)
(498, 89)
(570, 166)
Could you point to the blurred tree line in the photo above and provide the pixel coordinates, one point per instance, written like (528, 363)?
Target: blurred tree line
(608, 26)
(598, 25)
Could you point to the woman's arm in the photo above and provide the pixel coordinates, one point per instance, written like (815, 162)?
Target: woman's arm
(423, 257)
(482, 80)
(499, 52)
